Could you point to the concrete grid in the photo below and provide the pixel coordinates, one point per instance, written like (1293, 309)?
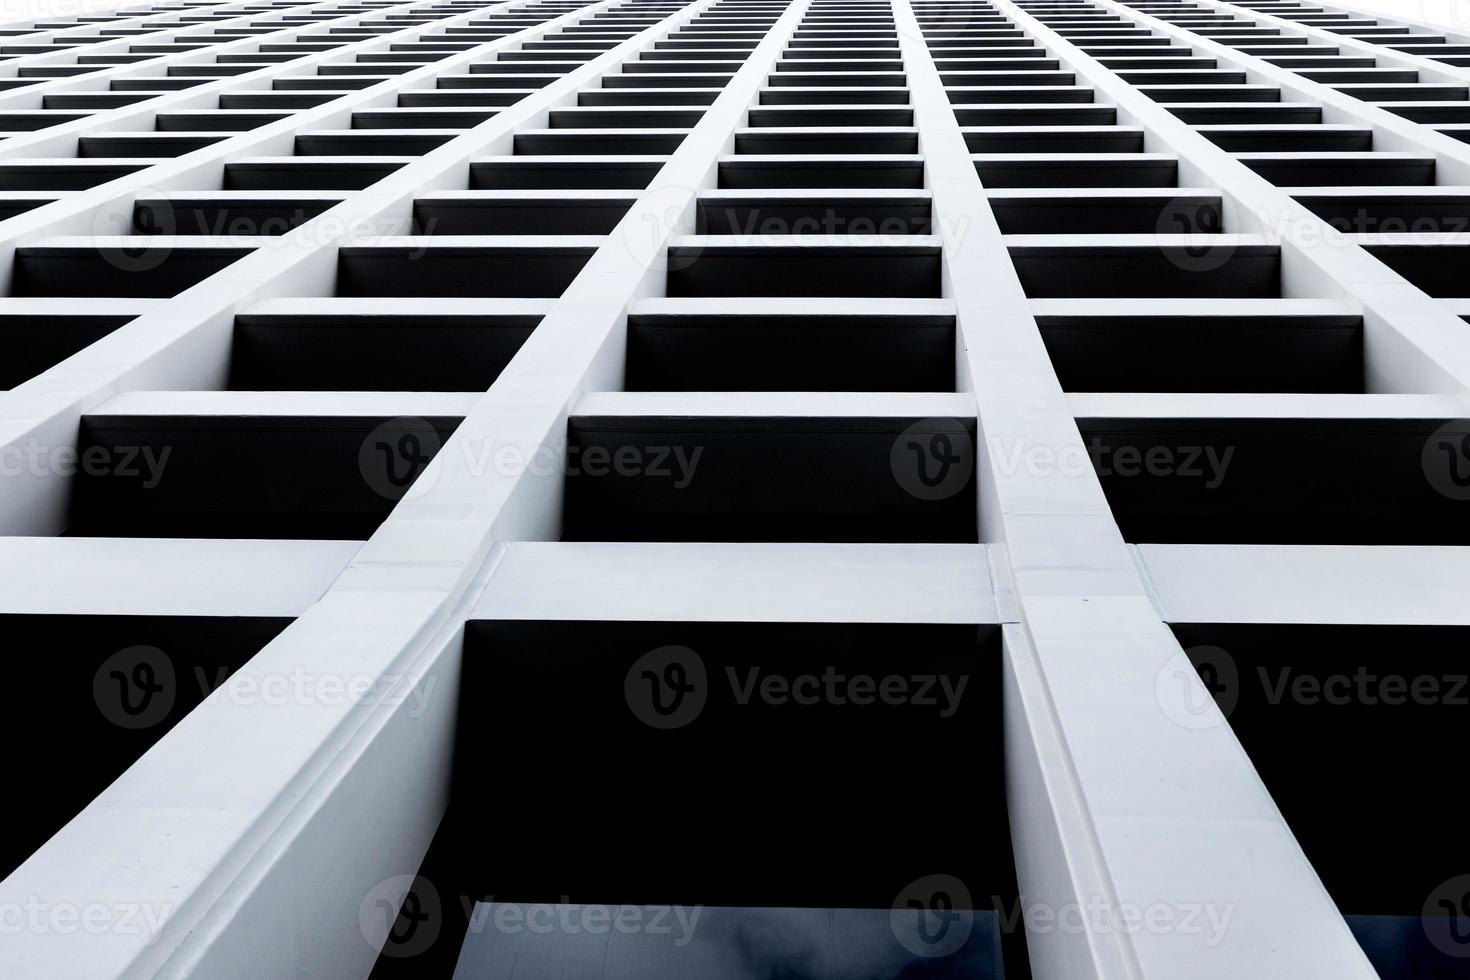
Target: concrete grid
(350, 342)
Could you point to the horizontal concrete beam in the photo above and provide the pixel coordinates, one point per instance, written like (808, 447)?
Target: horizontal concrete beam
(1379, 585)
(100, 576)
(826, 583)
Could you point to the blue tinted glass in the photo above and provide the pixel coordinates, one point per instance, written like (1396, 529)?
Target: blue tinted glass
(1411, 947)
(571, 942)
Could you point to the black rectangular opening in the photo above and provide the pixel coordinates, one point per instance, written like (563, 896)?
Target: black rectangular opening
(815, 215)
(66, 176)
(1268, 113)
(350, 142)
(1285, 480)
(374, 352)
(708, 269)
(1226, 270)
(107, 146)
(663, 941)
(1289, 140)
(838, 140)
(146, 271)
(1224, 352)
(790, 352)
(414, 269)
(672, 478)
(1058, 139)
(226, 215)
(31, 344)
(1439, 270)
(247, 476)
(99, 691)
(616, 173)
(1369, 168)
(306, 174)
(215, 120)
(773, 172)
(1347, 726)
(1120, 214)
(519, 216)
(1098, 171)
(1399, 212)
(726, 794)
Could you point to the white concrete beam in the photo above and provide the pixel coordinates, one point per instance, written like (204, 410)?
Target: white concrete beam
(185, 577)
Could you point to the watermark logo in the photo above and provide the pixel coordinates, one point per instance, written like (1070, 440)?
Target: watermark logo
(1446, 459)
(667, 688)
(37, 917)
(1099, 916)
(1190, 695)
(1198, 690)
(1206, 464)
(675, 921)
(143, 253)
(401, 916)
(144, 464)
(933, 459)
(135, 687)
(301, 686)
(1446, 917)
(393, 457)
(647, 234)
(1199, 225)
(933, 916)
(832, 687)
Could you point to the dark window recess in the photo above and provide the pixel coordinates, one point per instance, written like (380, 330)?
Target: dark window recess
(32, 344)
(1284, 481)
(771, 479)
(374, 352)
(790, 352)
(306, 477)
(1206, 352)
(508, 941)
(721, 796)
(1349, 727)
(98, 691)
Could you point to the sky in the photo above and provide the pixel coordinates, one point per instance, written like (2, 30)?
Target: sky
(1441, 13)
(1453, 14)
(13, 10)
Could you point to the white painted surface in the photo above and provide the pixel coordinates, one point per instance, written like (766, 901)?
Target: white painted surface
(251, 825)
(777, 404)
(794, 306)
(1265, 406)
(285, 813)
(304, 404)
(1382, 584)
(824, 583)
(167, 576)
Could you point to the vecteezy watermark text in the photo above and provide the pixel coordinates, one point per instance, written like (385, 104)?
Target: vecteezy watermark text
(1208, 464)
(402, 916)
(832, 687)
(35, 916)
(139, 686)
(670, 686)
(33, 458)
(1203, 688)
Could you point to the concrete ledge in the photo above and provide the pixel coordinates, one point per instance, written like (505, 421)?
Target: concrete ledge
(1382, 584)
(99, 576)
(828, 583)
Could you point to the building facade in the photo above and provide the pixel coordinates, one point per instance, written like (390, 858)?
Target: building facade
(927, 485)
